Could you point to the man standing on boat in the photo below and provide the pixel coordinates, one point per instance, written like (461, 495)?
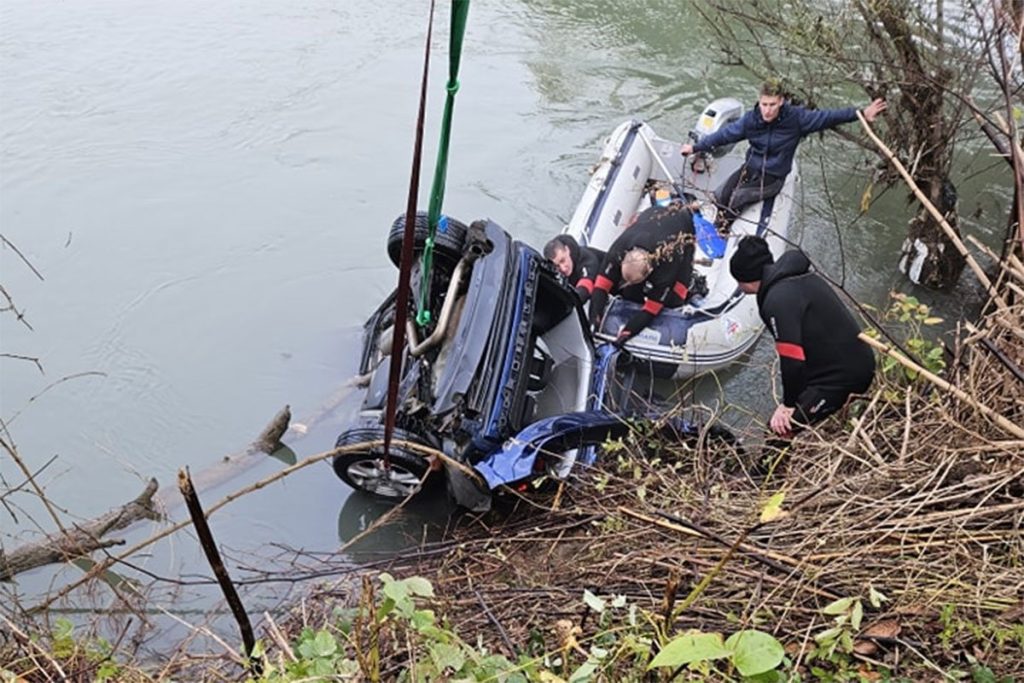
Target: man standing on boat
(652, 262)
(773, 130)
(821, 358)
(579, 265)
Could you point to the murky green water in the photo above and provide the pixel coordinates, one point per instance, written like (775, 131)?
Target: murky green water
(205, 189)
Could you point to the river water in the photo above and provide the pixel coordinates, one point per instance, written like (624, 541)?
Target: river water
(205, 190)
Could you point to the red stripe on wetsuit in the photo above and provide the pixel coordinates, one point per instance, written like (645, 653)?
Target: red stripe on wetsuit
(788, 350)
(603, 283)
(587, 284)
(653, 307)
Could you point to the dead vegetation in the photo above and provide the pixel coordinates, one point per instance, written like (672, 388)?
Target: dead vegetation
(917, 498)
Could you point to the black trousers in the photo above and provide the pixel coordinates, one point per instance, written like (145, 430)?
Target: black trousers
(742, 189)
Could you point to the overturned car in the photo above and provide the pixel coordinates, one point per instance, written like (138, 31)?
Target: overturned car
(505, 380)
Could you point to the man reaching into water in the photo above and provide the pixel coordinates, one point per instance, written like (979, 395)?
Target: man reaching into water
(821, 358)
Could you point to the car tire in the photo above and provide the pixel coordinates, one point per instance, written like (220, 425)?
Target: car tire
(447, 245)
(407, 473)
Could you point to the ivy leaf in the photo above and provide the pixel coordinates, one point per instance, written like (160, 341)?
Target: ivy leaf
(689, 648)
(755, 652)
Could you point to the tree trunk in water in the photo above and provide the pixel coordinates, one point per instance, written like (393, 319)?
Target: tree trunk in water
(81, 540)
(928, 258)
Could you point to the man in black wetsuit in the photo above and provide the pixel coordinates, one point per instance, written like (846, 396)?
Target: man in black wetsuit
(578, 264)
(651, 261)
(821, 358)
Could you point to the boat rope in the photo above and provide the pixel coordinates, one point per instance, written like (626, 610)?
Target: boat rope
(460, 9)
(405, 262)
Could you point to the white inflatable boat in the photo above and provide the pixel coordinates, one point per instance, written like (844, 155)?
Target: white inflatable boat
(715, 329)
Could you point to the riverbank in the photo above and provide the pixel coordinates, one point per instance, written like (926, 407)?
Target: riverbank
(885, 545)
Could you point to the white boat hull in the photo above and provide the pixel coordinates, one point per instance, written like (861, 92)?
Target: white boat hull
(709, 332)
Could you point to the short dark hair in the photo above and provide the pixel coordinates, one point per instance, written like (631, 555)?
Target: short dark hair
(554, 246)
(773, 87)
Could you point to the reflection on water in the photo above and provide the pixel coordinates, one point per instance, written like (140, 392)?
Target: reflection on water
(373, 529)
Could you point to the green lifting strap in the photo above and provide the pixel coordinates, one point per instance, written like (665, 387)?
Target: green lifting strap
(460, 8)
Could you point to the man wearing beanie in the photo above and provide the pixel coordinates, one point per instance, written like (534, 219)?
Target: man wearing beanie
(821, 358)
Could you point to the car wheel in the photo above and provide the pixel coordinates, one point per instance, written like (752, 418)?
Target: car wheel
(447, 245)
(363, 469)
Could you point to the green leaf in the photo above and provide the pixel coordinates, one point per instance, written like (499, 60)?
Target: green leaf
(840, 606)
(767, 677)
(932, 320)
(593, 602)
(396, 590)
(324, 644)
(689, 648)
(447, 656)
(755, 652)
(876, 598)
(422, 619)
(828, 634)
(583, 673)
(321, 668)
(772, 510)
(419, 586)
(982, 674)
(856, 615)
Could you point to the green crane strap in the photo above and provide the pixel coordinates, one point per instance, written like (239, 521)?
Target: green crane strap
(460, 8)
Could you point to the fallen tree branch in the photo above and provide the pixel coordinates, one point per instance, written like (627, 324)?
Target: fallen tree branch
(209, 545)
(80, 540)
(256, 486)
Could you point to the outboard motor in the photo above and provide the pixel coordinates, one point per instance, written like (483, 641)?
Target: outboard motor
(716, 115)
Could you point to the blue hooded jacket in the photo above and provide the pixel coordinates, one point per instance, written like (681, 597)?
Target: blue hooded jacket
(773, 145)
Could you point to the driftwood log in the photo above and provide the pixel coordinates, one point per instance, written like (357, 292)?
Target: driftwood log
(81, 539)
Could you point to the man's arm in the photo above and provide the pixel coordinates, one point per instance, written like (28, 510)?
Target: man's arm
(663, 279)
(811, 121)
(734, 132)
(607, 278)
(589, 266)
(783, 310)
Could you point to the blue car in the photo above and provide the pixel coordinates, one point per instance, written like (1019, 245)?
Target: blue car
(506, 380)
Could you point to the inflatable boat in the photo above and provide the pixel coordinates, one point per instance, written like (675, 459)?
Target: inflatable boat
(636, 168)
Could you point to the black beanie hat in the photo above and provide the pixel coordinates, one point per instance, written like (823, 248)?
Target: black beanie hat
(752, 255)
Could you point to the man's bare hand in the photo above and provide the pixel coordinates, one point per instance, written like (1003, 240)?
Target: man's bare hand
(874, 109)
(781, 422)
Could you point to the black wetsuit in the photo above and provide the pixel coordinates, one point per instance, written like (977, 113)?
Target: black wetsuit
(667, 233)
(586, 261)
(821, 358)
